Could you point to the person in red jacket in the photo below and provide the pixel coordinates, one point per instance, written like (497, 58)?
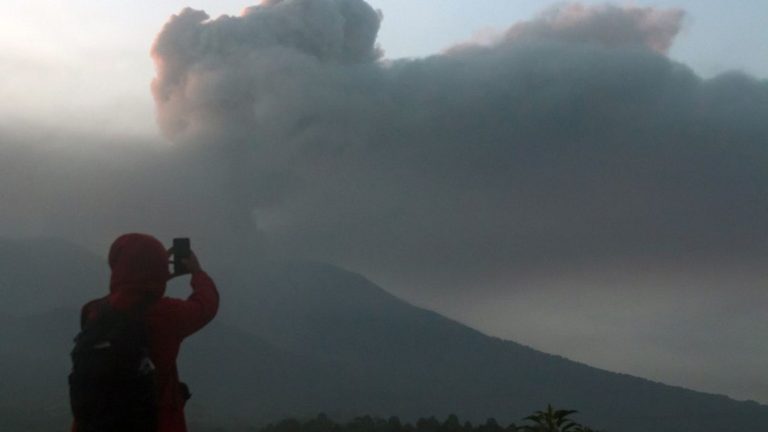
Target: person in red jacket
(139, 264)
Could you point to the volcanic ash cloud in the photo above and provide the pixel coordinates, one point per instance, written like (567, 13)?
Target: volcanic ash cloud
(570, 138)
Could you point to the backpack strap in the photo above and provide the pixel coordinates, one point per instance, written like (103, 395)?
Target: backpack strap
(88, 314)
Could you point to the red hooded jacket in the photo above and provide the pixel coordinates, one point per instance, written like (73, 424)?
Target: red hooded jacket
(139, 266)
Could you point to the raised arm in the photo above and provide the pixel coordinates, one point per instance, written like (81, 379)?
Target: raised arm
(200, 307)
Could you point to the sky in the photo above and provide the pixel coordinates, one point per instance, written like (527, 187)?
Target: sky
(585, 179)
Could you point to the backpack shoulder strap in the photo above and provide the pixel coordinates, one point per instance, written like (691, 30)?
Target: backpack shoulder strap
(93, 311)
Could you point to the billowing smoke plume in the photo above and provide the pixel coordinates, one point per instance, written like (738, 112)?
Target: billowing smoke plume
(607, 25)
(571, 138)
(222, 74)
(570, 160)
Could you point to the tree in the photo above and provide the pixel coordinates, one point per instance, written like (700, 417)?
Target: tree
(451, 424)
(430, 424)
(581, 428)
(490, 425)
(394, 424)
(551, 420)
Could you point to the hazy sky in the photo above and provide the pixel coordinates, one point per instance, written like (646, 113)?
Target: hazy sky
(560, 180)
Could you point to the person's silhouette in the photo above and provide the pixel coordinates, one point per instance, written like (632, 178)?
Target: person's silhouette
(139, 264)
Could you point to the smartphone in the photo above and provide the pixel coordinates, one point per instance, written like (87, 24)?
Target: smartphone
(181, 249)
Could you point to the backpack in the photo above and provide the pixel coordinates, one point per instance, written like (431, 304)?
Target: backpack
(112, 386)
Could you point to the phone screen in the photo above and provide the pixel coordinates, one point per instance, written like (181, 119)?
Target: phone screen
(181, 249)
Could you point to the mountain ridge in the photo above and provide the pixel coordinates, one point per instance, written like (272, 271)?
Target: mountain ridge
(298, 338)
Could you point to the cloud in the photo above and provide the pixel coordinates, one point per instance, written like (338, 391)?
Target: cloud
(209, 71)
(571, 138)
(89, 188)
(606, 25)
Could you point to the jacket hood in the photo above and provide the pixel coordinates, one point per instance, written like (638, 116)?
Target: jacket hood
(139, 264)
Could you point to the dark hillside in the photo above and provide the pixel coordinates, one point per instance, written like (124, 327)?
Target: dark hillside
(295, 339)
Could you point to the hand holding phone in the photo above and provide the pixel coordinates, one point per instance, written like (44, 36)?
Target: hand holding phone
(182, 254)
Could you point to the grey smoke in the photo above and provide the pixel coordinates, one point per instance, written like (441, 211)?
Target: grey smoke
(570, 160)
(571, 138)
(605, 25)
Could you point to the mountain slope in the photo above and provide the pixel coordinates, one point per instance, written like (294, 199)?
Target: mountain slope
(433, 365)
(295, 339)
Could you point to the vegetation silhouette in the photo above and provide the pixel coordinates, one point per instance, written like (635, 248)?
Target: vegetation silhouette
(549, 420)
(552, 420)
